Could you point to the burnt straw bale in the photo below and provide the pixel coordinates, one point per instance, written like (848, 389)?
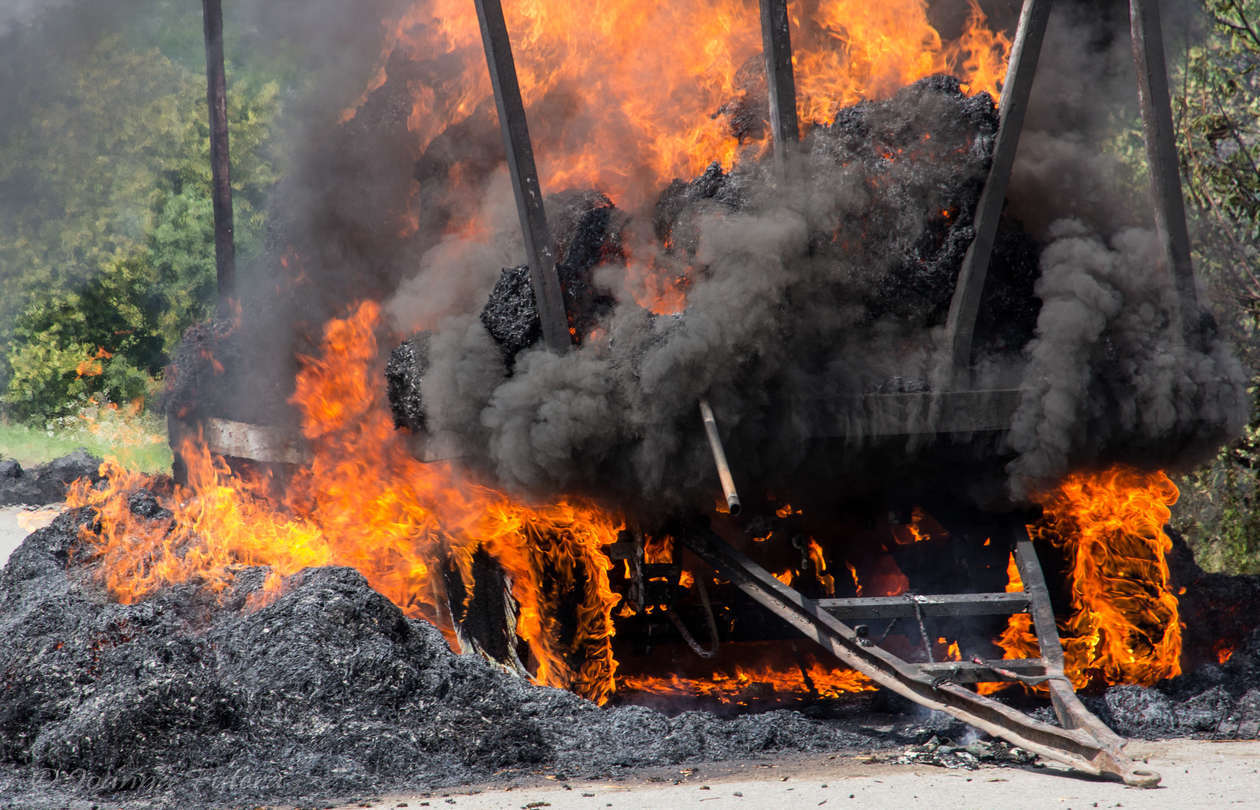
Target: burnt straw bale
(225, 369)
(44, 483)
(404, 373)
(586, 227)
(920, 158)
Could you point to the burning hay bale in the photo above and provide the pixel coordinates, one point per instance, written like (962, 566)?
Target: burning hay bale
(917, 160)
(739, 290)
(587, 229)
(218, 371)
(403, 375)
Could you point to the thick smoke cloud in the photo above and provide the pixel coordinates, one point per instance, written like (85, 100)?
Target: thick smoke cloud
(778, 320)
(1110, 375)
(787, 317)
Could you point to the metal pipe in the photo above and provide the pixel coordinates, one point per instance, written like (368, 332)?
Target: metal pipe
(776, 44)
(539, 250)
(220, 161)
(719, 458)
(1161, 155)
(955, 363)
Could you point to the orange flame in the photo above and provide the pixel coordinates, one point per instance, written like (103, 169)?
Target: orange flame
(922, 527)
(630, 95)
(755, 684)
(819, 559)
(1125, 626)
(785, 511)
(91, 365)
(365, 502)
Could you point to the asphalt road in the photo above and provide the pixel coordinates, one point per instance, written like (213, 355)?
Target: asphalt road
(16, 522)
(1196, 774)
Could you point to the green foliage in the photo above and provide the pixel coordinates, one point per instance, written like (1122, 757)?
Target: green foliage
(111, 245)
(1217, 110)
(136, 440)
(1221, 508)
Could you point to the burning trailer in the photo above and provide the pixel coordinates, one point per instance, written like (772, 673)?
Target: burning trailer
(828, 390)
(944, 414)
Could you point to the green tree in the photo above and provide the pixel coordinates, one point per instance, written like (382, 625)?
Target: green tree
(109, 244)
(1217, 109)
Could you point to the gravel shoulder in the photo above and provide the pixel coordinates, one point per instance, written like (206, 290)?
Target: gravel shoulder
(16, 522)
(1196, 774)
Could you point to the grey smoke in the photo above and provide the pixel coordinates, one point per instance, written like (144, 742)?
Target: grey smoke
(772, 320)
(1109, 375)
(16, 13)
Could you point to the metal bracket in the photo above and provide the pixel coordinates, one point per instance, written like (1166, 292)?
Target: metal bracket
(1161, 154)
(953, 369)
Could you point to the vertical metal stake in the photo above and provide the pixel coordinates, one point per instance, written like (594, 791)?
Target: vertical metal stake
(776, 43)
(220, 161)
(540, 251)
(953, 369)
(1161, 154)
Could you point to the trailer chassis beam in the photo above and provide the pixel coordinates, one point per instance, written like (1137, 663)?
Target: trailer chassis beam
(1084, 744)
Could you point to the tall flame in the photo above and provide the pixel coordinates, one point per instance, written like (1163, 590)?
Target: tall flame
(1125, 626)
(364, 501)
(629, 95)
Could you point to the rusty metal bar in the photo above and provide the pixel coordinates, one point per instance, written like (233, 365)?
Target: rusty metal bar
(903, 607)
(1067, 706)
(776, 44)
(954, 368)
(984, 671)
(539, 248)
(1074, 747)
(220, 160)
(1161, 154)
(719, 458)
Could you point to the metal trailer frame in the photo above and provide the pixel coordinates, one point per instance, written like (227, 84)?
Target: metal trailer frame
(1083, 741)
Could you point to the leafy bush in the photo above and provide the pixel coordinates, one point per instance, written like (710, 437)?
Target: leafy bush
(109, 254)
(1217, 110)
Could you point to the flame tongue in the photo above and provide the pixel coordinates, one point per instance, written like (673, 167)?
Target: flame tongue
(365, 502)
(627, 91)
(1125, 626)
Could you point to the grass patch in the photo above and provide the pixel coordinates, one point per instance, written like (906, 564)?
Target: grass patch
(138, 441)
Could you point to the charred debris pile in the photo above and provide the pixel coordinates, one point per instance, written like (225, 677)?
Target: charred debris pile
(44, 483)
(197, 697)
